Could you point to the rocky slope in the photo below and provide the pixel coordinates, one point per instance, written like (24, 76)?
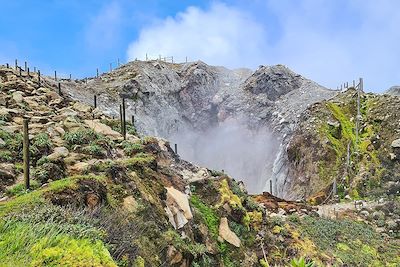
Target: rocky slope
(394, 90)
(99, 200)
(192, 103)
(325, 148)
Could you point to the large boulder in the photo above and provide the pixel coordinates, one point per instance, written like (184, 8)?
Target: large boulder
(102, 129)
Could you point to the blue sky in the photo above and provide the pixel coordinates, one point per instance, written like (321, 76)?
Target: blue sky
(327, 41)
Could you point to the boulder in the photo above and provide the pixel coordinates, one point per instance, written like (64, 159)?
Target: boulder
(59, 152)
(7, 173)
(178, 208)
(78, 106)
(130, 204)
(79, 167)
(226, 233)
(18, 97)
(102, 129)
(396, 144)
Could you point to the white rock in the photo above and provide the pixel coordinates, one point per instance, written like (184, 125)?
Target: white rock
(226, 234)
(178, 208)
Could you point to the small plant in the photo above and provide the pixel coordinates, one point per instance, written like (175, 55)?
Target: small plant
(80, 137)
(301, 263)
(94, 150)
(131, 149)
(5, 156)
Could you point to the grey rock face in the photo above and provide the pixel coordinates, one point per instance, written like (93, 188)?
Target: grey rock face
(394, 90)
(186, 102)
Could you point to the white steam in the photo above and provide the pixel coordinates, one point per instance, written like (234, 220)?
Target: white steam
(243, 154)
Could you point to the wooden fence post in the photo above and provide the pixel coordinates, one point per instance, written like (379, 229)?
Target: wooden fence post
(120, 116)
(39, 77)
(55, 75)
(70, 77)
(59, 88)
(26, 153)
(8, 66)
(133, 120)
(16, 64)
(176, 148)
(26, 66)
(270, 186)
(95, 101)
(20, 72)
(97, 73)
(123, 119)
(28, 72)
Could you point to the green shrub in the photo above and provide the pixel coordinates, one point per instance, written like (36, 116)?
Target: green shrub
(131, 149)
(94, 150)
(5, 156)
(41, 144)
(81, 136)
(13, 143)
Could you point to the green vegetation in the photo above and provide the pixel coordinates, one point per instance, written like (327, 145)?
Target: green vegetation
(140, 160)
(80, 137)
(11, 151)
(51, 236)
(36, 197)
(19, 189)
(352, 243)
(208, 215)
(40, 146)
(301, 263)
(131, 149)
(184, 245)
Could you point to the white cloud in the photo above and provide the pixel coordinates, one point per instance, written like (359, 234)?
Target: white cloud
(220, 35)
(327, 41)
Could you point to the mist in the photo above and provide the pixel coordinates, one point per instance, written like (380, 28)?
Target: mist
(243, 154)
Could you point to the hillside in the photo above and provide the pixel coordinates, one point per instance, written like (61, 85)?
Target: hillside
(99, 200)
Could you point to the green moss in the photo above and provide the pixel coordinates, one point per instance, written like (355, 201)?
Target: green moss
(140, 160)
(208, 215)
(227, 196)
